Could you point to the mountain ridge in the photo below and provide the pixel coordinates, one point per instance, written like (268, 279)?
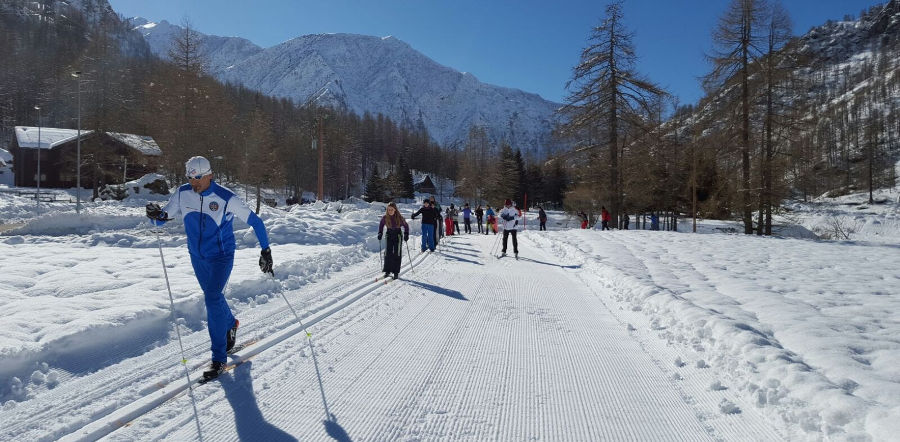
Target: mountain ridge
(363, 73)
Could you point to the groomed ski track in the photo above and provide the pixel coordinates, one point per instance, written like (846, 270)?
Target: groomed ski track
(464, 347)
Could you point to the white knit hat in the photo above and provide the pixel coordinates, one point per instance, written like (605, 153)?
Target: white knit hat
(197, 166)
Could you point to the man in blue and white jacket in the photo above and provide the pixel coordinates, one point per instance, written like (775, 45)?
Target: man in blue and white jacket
(208, 210)
(510, 217)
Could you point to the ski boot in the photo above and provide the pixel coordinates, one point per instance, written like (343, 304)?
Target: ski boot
(215, 369)
(231, 337)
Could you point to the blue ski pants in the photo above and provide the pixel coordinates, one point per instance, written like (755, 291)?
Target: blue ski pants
(427, 237)
(212, 274)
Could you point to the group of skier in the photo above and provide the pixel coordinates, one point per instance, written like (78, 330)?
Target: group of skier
(208, 211)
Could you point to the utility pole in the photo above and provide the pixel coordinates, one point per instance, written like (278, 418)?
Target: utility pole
(321, 147)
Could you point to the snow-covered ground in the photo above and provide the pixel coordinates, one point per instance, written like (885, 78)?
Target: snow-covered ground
(590, 335)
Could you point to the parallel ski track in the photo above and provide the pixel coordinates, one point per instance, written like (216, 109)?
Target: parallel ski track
(525, 356)
(159, 392)
(694, 381)
(70, 397)
(284, 366)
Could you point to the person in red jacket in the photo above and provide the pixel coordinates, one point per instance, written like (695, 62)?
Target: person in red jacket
(584, 219)
(604, 218)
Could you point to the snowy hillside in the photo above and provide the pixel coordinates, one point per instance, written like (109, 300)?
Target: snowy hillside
(589, 335)
(379, 75)
(220, 52)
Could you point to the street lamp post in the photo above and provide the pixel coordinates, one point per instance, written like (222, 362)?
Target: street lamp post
(77, 74)
(38, 194)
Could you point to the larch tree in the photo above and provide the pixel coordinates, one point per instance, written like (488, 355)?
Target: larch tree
(607, 92)
(738, 39)
(776, 68)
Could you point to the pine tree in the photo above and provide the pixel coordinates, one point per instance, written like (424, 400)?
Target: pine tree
(375, 189)
(404, 178)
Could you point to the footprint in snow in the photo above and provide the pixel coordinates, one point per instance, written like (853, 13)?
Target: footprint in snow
(679, 362)
(728, 407)
(717, 386)
(702, 364)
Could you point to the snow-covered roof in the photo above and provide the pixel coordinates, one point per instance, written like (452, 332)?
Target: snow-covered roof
(50, 137)
(144, 144)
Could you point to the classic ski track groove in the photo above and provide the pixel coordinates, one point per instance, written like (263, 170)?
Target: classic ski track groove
(122, 416)
(413, 364)
(696, 380)
(67, 397)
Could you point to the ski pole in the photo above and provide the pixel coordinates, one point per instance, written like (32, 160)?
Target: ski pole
(311, 349)
(178, 332)
(411, 266)
(380, 254)
(496, 242)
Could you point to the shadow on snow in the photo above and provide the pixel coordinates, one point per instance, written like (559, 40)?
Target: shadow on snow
(441, 290)
(248, 419)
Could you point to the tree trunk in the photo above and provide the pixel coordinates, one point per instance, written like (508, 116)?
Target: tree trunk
(745, 128)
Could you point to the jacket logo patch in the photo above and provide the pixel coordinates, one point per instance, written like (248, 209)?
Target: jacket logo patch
(213, 206)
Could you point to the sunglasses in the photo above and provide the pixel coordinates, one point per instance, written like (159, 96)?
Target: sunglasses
(195, 177)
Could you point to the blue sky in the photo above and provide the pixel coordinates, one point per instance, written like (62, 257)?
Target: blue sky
(526, 44)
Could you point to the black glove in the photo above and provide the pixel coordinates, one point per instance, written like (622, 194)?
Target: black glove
(155, 212)
(516, 224)
(379, 237)
(405, 236)
(265, 261)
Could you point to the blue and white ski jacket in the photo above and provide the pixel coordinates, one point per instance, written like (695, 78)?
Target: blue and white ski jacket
(208, 218)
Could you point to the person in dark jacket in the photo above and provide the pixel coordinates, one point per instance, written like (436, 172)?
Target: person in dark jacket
(479, 216)
(542, 217)
(393, 255)
(439, 221)
(429, 223)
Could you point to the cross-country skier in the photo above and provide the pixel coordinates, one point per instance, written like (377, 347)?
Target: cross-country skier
(604, 218)
(510, 217)
(438, 222)
(208, 210)
(491, 221)
(429, 223)
(393, 254)
(467, 218)
(479, 216)
(542, 217)
(448, 221)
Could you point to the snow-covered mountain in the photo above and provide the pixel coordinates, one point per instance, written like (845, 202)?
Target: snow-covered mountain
(378, 75)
